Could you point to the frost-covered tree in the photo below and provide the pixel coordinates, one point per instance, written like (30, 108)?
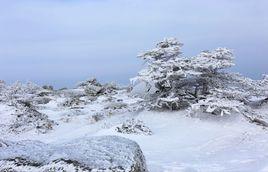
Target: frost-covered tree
(201, 82)
(179, 81)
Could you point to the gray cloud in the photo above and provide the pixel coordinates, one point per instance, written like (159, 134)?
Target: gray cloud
(61, 42)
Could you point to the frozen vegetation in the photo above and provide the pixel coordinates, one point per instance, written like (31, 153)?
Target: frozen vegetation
(178, 114)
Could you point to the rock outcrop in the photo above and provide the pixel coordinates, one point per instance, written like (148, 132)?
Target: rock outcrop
(104, 153)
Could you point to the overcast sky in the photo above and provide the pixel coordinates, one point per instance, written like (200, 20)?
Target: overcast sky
(61, 42)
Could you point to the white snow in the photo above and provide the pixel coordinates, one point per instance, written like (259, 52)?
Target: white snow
(179, 143)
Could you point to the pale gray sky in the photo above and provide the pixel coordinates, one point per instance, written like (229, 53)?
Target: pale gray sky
(61, 42)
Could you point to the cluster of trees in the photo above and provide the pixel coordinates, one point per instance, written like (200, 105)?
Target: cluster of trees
(200, 83)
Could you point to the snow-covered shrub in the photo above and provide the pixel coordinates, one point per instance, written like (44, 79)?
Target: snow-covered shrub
(2, 90)
(96, 117)
(19, 91)
(85, 83)
(41, 100)
(264, 85)
(24, 98)
(73, 102)
(115, 105)
(48, 87)
(217, 106)
(93, 88)
(2, 85)
(28, 118)
(134, 127)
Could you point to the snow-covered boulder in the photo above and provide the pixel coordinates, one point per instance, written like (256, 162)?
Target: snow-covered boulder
(142, 89)
(104, 153)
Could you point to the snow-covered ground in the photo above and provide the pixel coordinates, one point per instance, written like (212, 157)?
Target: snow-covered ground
(179, 143)
(184, 144)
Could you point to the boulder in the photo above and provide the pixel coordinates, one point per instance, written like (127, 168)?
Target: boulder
(103, 153)
(143, 89)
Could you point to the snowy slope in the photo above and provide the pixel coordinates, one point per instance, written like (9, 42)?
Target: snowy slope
(183, 144)
(179, 143)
